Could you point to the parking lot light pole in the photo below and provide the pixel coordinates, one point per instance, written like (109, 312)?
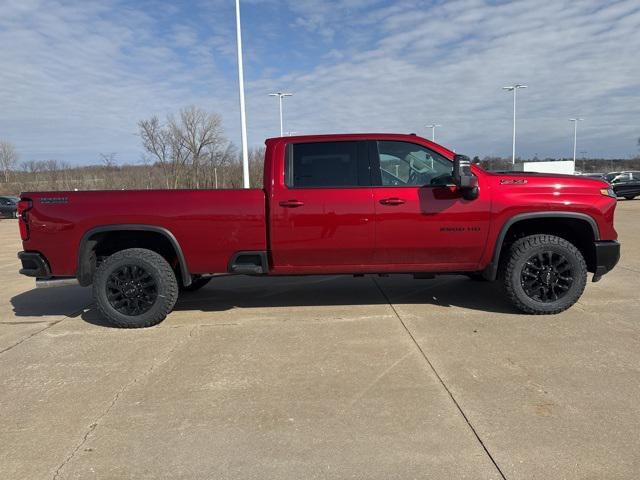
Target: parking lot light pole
(280, 96)
(243, 116)
(575, 135)
(514, 89)
(433, 130)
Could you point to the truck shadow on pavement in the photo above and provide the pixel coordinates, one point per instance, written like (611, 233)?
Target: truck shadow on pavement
(229, 292)
(40, 302)
(254, 292)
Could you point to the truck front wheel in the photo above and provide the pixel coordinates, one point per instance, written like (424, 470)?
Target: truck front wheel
(544, 274)
(135, 288)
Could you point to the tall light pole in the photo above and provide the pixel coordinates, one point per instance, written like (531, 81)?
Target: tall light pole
(280, 95)
(575, 135)
(243, 115)
(433, 130)
(514, 88)
(584, 159)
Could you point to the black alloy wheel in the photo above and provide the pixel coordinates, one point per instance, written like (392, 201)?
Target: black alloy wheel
(131, 290)
(546, 276)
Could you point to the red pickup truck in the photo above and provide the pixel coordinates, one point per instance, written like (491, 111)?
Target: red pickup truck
(331, 204)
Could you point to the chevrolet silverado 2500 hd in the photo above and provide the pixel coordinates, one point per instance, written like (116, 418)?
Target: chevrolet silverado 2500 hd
(331, 204)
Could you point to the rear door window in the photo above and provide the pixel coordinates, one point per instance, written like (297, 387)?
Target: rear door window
(327, 165)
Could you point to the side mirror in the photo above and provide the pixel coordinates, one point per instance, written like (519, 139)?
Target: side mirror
(464, 178)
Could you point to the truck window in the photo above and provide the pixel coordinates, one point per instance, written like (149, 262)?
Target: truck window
(625, 177)
(326, 164)
(410, 164)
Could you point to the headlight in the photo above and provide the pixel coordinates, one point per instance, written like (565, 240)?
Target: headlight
(608, 192)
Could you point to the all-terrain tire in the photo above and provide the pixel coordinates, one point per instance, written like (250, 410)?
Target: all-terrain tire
(157, 271)
(196, 284)
(519, 257)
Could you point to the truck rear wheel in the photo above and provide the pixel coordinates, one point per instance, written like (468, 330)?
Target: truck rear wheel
(135, 288)
(544, 274)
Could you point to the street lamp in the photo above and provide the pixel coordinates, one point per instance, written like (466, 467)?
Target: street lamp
(575, 135)
(243, 116)
(433, 130)
(514, 88)
(280, 95)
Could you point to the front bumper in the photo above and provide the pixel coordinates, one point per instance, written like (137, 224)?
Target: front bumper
(607, 256)
(34, 265)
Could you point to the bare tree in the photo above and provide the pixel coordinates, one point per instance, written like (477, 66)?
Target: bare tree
(108, 159)
(8, 159)
(201, 133)
(164, 146)
(185, 146)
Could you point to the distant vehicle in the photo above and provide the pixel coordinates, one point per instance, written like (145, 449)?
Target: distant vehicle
(598, 176)
(331, 204)
(625, 184)
(9, 207)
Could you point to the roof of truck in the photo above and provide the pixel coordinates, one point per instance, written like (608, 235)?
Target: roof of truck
(403, 137)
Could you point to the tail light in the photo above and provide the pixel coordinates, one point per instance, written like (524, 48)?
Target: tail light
(23, 221)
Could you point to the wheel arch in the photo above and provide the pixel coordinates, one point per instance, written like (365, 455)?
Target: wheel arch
(522, 220)
(86, 251)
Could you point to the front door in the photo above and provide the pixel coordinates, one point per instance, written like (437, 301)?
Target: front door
(421, 219)
(323, 219)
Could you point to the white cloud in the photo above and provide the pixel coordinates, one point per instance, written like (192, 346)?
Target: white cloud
(76, 77)
(448, 63)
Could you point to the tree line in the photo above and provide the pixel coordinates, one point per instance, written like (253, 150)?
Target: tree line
(185, 150)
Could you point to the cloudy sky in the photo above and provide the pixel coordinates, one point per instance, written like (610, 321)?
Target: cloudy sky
(76, 76)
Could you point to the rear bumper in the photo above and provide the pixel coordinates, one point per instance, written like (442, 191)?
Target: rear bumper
(34, 265)
(607, 256)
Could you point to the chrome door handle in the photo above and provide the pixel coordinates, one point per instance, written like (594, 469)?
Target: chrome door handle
(392, 201)
(291, 203)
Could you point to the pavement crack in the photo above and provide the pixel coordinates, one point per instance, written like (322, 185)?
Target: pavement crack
(51, 324)
(385, 372)
(92, 427)
(441, 380)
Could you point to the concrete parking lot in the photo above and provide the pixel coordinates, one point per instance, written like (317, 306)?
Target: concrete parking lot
(323, 377)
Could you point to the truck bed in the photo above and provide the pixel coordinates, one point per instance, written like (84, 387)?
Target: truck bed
(209, 225)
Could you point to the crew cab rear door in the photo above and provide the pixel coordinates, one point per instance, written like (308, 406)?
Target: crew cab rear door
(422, 221)
(321, 216)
